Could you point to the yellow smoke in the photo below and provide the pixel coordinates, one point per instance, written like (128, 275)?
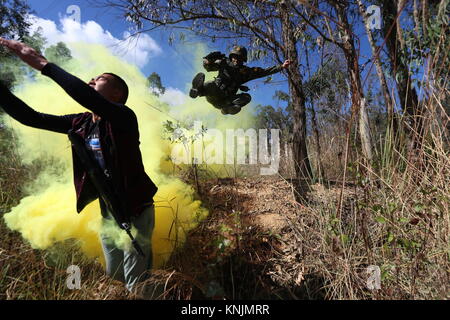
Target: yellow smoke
(210, 117)
(47, 215)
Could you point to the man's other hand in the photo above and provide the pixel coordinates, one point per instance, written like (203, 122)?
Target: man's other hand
(25, 53)
(286, 64)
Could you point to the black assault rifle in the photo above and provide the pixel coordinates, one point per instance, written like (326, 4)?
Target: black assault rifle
(104, 188)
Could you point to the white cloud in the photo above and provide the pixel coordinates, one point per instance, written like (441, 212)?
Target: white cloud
(137, 50)
(173, 97)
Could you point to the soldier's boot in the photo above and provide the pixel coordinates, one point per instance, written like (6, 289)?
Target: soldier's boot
(231, 109)
(241, 99)
(197, 85)
(238, 101)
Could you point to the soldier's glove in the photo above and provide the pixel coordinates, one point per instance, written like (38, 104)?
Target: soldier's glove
(244, 88)
(214, 56)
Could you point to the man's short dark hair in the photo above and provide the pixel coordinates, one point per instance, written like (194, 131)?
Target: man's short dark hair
(120, 84)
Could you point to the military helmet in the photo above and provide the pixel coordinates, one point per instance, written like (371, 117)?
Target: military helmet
(239, 51)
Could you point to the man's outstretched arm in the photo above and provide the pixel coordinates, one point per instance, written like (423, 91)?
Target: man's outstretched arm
(76, 88)
(255, 73)
(88, 97)
(21, 112)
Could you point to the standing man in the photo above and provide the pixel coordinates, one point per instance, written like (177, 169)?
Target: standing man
(222, 91)
(111, 138)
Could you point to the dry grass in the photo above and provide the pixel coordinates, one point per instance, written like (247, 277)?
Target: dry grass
(258, 243)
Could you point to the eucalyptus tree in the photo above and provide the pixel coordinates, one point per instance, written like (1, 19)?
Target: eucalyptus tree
(322, 17)
(269, 28)
(13, 23)
(13, 17)
(155, 84)
(415, 32)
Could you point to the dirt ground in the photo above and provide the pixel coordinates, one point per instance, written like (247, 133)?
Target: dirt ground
(246, 249)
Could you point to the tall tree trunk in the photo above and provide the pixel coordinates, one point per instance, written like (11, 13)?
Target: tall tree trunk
(315, 127)
(320, 168)
(400, 71)
(302, 164)
(424, 15)
(416, 18)
(384, 87)
(359, 106)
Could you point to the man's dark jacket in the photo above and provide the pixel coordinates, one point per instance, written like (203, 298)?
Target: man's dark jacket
(119, 138)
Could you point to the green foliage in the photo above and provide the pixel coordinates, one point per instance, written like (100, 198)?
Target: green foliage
(431, 41)
(256, 23)
(276, 117)
(58, 53)
(13, 24)
(222, 242)
(155, 84)
(13, 18)
(13, 70)
(328, 81)
(177, 132)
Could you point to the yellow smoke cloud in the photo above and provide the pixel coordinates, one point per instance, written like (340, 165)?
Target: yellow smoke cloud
(210, 117)
(48, 214)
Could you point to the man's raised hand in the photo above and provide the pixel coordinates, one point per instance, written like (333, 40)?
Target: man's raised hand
(25, 53)
(286, 64)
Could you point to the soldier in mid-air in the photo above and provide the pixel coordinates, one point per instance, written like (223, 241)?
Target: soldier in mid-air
(222, 91)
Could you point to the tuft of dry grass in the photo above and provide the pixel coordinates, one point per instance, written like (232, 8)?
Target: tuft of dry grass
(397, 220)
(258, 243)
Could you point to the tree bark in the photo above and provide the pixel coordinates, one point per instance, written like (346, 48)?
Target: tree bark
(302, 165)
(407, 93)
(424, 16)
(359, 106)
(321, 170)
(384, 87)
(315, 127)
(416, 18)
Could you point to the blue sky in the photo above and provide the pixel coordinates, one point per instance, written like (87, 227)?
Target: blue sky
(173, 63)
(170, 58)
(162, 63)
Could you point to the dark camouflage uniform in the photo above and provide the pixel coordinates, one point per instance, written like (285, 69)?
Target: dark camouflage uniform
(222, 91)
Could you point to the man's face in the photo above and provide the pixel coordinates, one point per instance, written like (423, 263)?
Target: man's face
(103, 84)
(236, 61)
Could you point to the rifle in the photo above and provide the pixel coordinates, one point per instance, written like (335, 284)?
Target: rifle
(104, 188)
(215, 55)
(209, 61)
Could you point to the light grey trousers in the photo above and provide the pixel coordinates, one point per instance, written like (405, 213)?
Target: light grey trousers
(128, 266)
